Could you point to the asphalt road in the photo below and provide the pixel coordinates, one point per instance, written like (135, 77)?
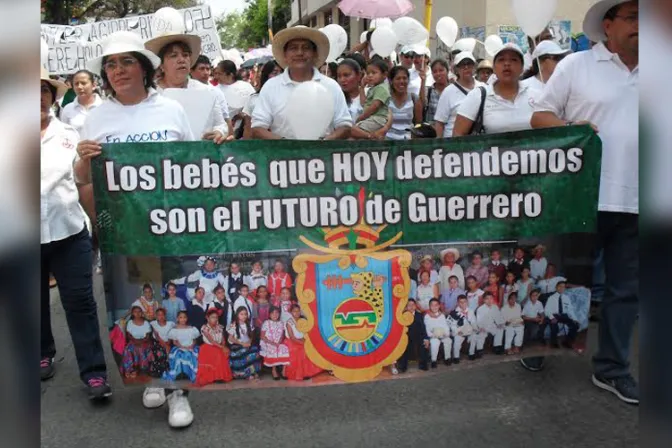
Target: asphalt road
(498, 405)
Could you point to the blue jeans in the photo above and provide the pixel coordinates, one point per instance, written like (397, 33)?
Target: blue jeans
(69, 260)
(619, 238)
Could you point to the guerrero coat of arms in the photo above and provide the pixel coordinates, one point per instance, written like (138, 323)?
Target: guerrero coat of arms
(354, 301)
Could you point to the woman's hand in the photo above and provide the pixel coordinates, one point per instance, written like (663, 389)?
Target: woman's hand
(88, 149)
(215, 136)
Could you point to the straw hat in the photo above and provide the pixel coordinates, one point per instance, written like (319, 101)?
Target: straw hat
(192, 41)
(484, 64)
(60, 87)
(320, 40)
(427, 258)
(450, 250)
(121, 42)
(592, 23)
(538, 247)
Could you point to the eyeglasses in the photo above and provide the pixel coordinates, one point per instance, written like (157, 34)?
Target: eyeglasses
(123, 62)
(629, 19)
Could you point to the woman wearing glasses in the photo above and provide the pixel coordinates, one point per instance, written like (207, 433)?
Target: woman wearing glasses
(546, 57)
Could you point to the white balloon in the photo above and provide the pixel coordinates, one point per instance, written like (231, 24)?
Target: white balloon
(446, 29)
(493, 43)
(466, 44)
(409, 31)
(533, 16)
(338, 40)
(237, 95)
(383, 22)
(168, 19)
(44, 53)
(362, 37)
(310, 110)
(384, 41)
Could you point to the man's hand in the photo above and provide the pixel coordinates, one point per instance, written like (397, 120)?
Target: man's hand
(216, 136)
(88, 149)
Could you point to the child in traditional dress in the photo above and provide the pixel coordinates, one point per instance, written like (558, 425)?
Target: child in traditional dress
(489, 321)
(513, 321)
(285, 304)
(278, 279)
(160, 343)
(263, 305)
(172, 304)
(138, 351)
(147, 303)
(183, 358)
(426, 291)
(462, 322)
(474, 293)
(273, 349)
(244, 300)
(244, 358)
(213, 358)
(509, 286)
(524, 285)
(438, 332)
(300, 367)
(257, 278)
(494, 288)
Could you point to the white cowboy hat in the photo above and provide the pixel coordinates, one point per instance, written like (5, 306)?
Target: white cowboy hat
(548, 47)
(464, 55)
(192, 41)
(449, 251)
(121, 42)
(592, 23)
(539, 247)
(60, 87)
(509, 46)
(317, 37)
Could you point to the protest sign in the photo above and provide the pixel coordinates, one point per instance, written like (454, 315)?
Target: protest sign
(71, 46)
(348, 223)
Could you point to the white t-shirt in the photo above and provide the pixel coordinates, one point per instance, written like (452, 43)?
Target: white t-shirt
(249, 106)
(595, 85)
(533, 309)
(162, 331)
(75, 114)
(499, 114)
(185, 336)
(270, 112)
(534, 83)
(216, 120)
(237, 96)
(61, 215)
(446, 111)
(355, 108)
(138, 331)
(154, 119)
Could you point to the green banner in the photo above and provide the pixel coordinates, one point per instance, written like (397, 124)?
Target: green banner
(172, 199)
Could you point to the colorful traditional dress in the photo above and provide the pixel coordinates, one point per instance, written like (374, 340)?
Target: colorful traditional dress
(137, 356)
(300, 367)
(277, 281)
(255, 280)
(148, 307)
(159, 362)
(276, 354)
(285, 310)
(245, 361)
(183, 361)
(213, 363)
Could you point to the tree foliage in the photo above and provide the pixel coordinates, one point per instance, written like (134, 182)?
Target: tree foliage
(62, 11)
(249, 29)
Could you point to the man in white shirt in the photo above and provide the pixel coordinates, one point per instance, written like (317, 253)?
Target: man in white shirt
(601, 87)
(513, 319)
(559, 310)
(421, 62)
(534, 318)
(489, 321)
(300, 50)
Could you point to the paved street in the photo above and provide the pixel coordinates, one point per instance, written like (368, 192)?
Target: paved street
(498, 405)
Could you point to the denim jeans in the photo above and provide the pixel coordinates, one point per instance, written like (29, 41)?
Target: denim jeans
(619, 235)
(70, 262)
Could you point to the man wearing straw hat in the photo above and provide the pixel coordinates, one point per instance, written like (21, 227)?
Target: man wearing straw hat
(601, 87)
(301, 51)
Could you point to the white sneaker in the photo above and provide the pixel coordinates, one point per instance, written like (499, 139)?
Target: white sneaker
(179, 411)
(153, 397)
(395, 371)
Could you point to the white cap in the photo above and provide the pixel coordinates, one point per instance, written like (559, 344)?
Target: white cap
(421, 49)
(548, 47)
(509, 46)
(405, 49)
(464, 55)
(592, 23)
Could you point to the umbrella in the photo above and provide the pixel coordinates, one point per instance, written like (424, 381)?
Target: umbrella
(256, 61)
(374, 9)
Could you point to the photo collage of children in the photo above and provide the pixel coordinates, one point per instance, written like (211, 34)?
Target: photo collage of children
(210, 320)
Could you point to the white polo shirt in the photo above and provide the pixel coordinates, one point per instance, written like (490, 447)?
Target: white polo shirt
(75, 114)
(154, 119)
(595, 85)
(60, 213)
(499, 114)
(270, 110)
(534, 83)
(216, 118)
(446, 110)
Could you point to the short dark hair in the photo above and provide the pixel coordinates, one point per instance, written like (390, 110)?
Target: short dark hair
(441, 62)
(53, 91)
(535, 291)
(471, 277)
(146, 65)
(217, 289)
(613, 12)
(453, 277)
(410, 299)
(203, 59)
(434, 300)
(512, 294)
(361, 60)
(461, 296)
(84, 72)
(229, 68)
(380, 65)
(394, 72)
(562, 282)
(183, 46)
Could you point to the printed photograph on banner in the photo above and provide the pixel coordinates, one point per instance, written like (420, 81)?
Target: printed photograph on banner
(243, 265)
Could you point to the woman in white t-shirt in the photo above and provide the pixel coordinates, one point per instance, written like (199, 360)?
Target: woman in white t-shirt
(405, 106)
(270, 70)
(545, 58)
(135, 112)
(508, 104)
(455, 94)
(236, 91)
(75, 113)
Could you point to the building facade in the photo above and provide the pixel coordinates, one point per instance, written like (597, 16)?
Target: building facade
(476, 18)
